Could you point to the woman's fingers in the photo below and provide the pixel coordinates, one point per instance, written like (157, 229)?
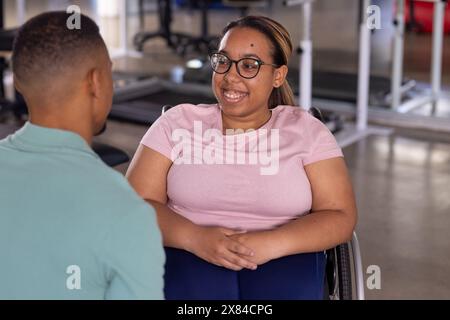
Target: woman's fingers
(237, 260)
(226, 264)
(239, 248)
(236, 263)
(236, 246)
(218, 248)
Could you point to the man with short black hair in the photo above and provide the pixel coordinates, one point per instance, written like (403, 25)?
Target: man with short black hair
(70, 227)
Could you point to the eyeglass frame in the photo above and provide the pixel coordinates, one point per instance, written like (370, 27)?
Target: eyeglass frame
(260, 64)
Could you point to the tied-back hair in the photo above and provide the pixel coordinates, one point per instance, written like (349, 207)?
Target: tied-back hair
(282, 51)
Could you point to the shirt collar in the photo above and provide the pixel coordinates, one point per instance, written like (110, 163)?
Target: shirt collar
(31, 136)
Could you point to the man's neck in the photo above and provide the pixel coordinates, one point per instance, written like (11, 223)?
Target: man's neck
(77, 125)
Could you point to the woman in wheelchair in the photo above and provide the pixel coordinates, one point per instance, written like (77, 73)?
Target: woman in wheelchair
(249, 191)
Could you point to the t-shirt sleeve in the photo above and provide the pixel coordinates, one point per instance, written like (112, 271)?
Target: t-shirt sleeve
(323, 144)
(134, 256)
(158, 137)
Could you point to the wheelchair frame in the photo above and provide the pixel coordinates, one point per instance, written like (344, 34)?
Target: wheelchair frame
(344, 265)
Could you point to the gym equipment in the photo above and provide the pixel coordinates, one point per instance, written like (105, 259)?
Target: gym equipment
(334, 85)
(381, 115)
(182, 42)
(436, 63)
(7, 37)
(343, 86)
(141, 102)
(179, 42)
(245, 5)
(419, 16)
(6, 44)
(305, 50)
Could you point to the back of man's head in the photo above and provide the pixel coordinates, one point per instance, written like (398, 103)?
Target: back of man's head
(49, 57)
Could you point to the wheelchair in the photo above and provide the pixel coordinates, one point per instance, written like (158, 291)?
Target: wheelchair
(344, 277)
(343, 268)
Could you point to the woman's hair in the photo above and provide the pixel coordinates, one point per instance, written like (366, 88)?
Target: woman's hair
(282, 50)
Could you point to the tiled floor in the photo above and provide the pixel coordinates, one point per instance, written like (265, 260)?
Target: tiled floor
(402, 181)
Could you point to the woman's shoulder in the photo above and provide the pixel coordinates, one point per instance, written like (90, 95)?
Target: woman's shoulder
(184, 115)
(294, 115)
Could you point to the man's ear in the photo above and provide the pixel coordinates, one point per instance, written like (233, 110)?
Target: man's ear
(94, 82)
(280, 76)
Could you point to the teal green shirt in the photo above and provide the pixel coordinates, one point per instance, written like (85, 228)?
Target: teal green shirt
(70, 227)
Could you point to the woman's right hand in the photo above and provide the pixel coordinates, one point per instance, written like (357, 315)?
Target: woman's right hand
(214, 245)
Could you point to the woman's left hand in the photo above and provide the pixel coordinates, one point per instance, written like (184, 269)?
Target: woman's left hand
(261, 243)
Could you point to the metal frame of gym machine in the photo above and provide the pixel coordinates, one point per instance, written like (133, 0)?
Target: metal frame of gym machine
(391, 117)
(436, 62)
(351, 133)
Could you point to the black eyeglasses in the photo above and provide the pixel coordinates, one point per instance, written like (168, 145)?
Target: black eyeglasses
(247, 68)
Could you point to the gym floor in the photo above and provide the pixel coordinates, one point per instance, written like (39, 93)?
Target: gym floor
(402, 181)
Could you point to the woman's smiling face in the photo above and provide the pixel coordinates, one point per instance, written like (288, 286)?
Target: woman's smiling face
(238, 96)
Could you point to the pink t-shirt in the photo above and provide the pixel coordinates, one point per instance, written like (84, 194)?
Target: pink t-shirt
(245, 180)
